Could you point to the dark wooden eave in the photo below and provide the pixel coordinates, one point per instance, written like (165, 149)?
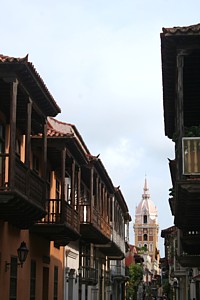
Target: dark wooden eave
(184, 41)
(25, 72)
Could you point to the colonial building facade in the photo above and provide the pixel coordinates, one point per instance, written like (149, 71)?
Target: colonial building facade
(62, 221)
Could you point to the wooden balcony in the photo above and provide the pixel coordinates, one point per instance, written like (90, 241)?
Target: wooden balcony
(93, 226)
(190, 241)
(61, 223)
(22, 198)
(118, 272)
(187, 204)
(88, 275)
(189, 260)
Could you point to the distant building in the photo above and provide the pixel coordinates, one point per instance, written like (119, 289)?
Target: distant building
(146, 229)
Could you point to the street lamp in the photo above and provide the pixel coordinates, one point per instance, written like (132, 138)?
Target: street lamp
(190, 275)
(22, 253)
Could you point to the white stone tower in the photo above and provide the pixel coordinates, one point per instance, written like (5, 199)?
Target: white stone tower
(146, 226)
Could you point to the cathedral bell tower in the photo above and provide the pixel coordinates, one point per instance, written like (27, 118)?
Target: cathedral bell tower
(146, 226)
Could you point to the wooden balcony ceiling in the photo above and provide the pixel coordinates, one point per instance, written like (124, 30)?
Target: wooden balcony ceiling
(26, 73)
(189, 260)
(187, 205)
(22, 100)
(19, 211)
(186, 39)
(61, 233)
(56, 143)
(91, 234)
(191, 244)
(113, 251)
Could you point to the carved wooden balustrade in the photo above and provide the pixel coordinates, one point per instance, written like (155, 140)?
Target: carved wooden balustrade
(22, 197)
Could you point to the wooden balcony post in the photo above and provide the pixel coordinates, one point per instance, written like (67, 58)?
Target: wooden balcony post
(79, 188)
(91, 194)
(73, 183)
(44, 161)
(28, 134)
(63, 161)
(179, 110)
(13, 112)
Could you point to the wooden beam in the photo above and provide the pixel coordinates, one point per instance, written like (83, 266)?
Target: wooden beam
(28, 134)
(13, 112)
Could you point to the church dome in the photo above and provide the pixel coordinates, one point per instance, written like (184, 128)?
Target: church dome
(146, 207)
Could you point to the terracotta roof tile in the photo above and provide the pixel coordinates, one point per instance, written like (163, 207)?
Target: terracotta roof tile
(4, 58)
(55, 133)
(194, 29)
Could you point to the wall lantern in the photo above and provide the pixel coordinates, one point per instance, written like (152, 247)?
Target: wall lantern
(190, 275)
(22, 253)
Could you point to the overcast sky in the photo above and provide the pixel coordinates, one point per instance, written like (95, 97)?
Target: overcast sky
(101, 61)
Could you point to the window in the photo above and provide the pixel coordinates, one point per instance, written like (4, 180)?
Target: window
(145, 246)
(55, 291)
(145, 219)
(13, 279)
(68, 190)
(32, 280)
(145, 237)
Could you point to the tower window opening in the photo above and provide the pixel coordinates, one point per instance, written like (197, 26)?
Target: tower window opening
(145, 237)
(145, 219)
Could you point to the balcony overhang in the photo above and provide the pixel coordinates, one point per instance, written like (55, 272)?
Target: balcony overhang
(119, 278)
(189, 260)
(61, 233)
(92, 234)
(190, 241)
(112, 250)
(19, 210)
(187, 205)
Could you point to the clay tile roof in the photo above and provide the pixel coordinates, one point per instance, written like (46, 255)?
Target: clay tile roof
(192, 29)
(31, 78)
(4, 58)
(55, 133)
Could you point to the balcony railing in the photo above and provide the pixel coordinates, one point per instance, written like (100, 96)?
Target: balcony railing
(117, 270)
(26, 181)
(89, 275)
(59, 212)
(118, 240)
(90, 215)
